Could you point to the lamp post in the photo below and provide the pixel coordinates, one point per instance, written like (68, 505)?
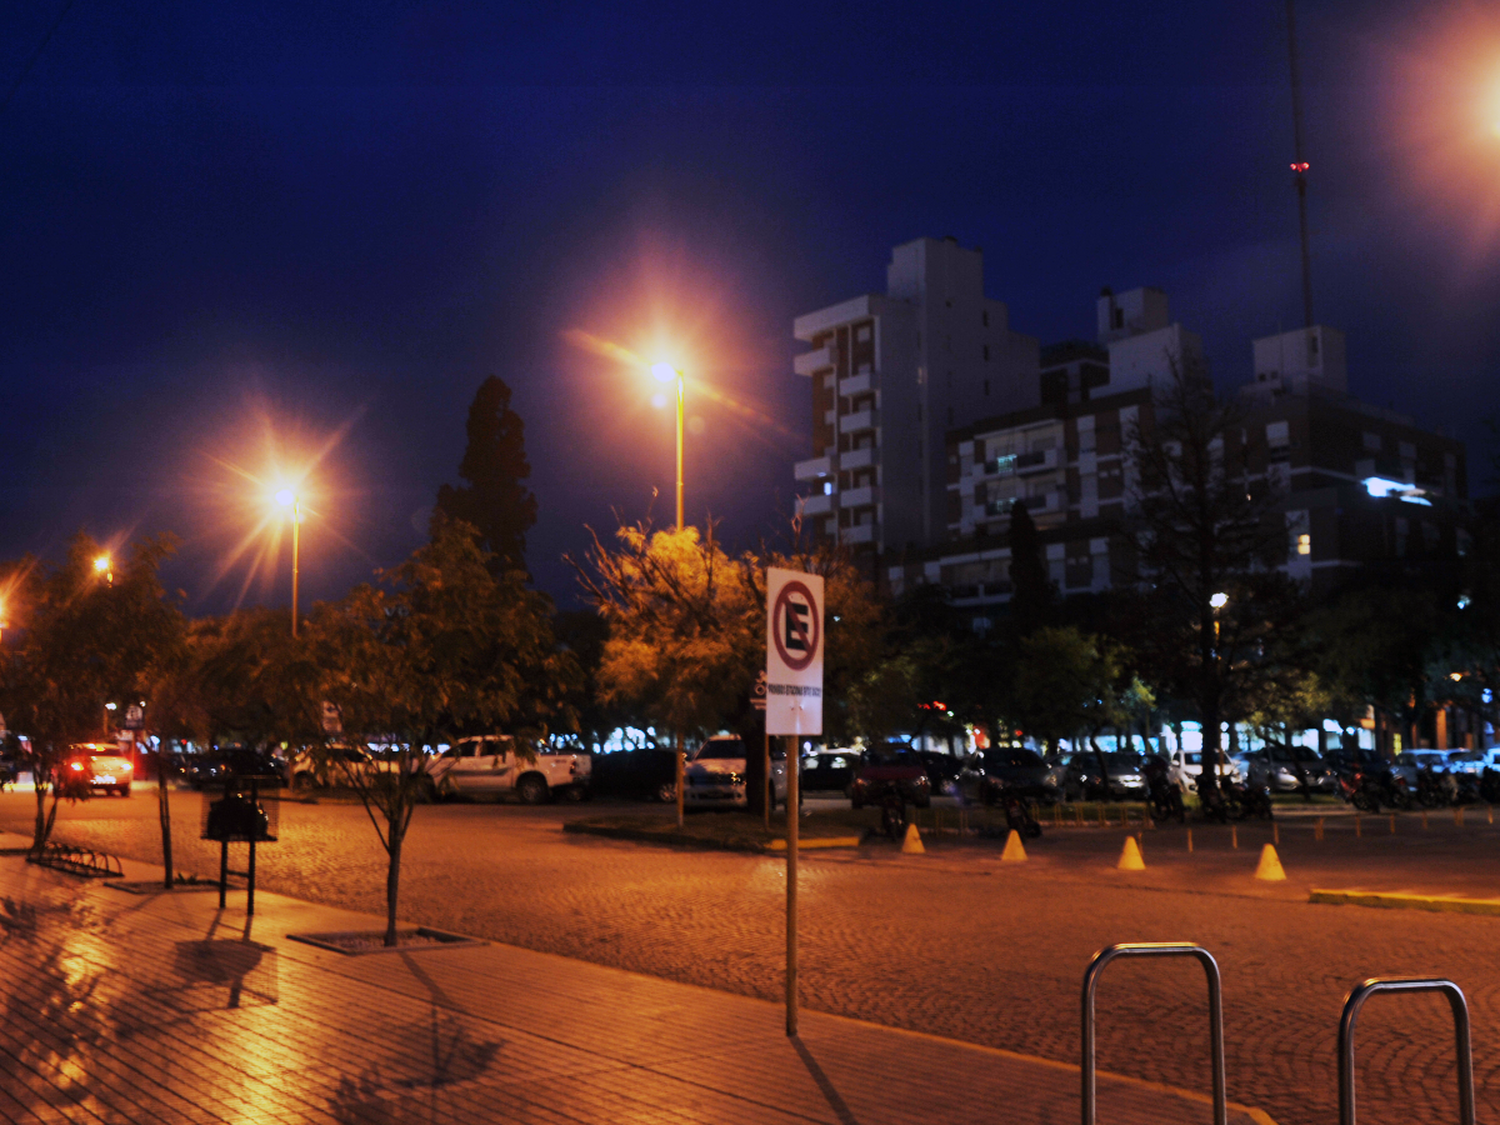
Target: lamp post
(289, 499)
(104, 565)
(667, 373)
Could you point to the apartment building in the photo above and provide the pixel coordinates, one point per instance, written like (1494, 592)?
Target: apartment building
(1362, 488)
(890, 375)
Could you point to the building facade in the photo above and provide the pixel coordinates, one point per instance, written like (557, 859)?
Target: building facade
(890, 375)
(1360, 489)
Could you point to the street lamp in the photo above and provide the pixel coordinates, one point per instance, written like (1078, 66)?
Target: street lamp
(104, 565)
(289, 499)
(667, 373)
(1218, 601)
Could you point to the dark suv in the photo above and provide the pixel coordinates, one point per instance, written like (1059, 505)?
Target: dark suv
(1011, 770)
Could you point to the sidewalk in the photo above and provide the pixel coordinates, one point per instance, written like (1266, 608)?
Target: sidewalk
(158, 1008)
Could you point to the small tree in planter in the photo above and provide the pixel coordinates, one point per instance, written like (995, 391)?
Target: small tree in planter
(438, 647)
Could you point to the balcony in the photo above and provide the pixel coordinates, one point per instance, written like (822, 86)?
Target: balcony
(857, 385)
(859, 497)
(857, 458)
(809, 363)
(817, 505)
(864, 533)
(859, 422)
(812, 470)
(1021, 464)
(1041, 505)
(1039, 462)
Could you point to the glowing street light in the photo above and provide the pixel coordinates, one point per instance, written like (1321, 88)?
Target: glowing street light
(1219, 601)
(103, 565)
(289, 499)
(667, 373)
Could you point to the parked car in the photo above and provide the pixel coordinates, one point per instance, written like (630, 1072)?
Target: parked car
(99, 766)
(213, 767)
(942, 769)
(1185, 766)
(1008, 769)
(828, 771)
(1281, 768)
(1466, 761)
(494, 765)
(329, 766)
(1122, 777)
(887, 763)
(715, 773)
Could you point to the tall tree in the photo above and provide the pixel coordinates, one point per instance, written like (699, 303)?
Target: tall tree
(1033, 594)
(1204, 521)
(495, 501)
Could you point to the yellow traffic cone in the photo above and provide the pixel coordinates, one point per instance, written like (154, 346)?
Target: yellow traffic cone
(1270, 868)
(912, 845)
(1015, 851)
(1130, 856)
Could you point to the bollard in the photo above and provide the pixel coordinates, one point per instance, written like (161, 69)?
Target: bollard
(1318, 829)
(1458, 817)
(1357, 832)
(1234, 835)
(1275, 833)
(1393, 824)
(1056, 816)
(1190, 840)
(1490, 811)
(1424, 820)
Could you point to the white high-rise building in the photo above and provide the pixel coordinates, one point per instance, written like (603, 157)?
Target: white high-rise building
(891, 374)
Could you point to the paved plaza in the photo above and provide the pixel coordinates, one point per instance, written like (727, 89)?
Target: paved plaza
(949, 948)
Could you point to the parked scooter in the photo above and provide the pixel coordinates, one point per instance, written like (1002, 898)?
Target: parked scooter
(1253, 800)
(1018, 816)
(892, 811)
(1164, 797)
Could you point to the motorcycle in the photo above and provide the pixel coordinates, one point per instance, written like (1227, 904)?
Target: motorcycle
(1252, 800)
(1164, 797)
(892, 811)
(1212, 800)
(1018, 816)
(1359, 789)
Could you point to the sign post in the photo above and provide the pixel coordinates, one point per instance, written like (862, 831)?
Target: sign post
(794, 707)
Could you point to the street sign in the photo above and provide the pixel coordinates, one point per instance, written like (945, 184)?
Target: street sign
(333, 718)
(758, 692)
(135, 717)
(794, 652)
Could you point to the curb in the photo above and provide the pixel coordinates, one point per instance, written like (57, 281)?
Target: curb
(705, 843)
(1396, 900)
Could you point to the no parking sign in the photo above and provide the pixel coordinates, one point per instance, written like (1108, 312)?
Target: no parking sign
(794, 652)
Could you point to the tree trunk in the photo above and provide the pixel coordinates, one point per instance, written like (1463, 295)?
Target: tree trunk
(164, 814)
(392, 883)
(43, 825)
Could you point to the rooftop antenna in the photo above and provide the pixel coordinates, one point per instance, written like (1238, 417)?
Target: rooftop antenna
(1299, 166)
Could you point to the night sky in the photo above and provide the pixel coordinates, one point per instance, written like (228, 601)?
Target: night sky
(239, 243)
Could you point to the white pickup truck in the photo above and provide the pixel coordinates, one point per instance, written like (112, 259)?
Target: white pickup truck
(493, 766)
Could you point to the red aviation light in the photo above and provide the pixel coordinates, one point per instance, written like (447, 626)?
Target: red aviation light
(1300, 167)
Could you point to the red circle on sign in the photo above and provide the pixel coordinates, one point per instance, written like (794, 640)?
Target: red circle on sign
(814, 625)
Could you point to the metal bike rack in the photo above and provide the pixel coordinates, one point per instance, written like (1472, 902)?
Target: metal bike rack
(1356, 1000)
(1215, 1015)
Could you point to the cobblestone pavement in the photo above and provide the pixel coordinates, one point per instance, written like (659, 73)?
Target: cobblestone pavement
(953, 942)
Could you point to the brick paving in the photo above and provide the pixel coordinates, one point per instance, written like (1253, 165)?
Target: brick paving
(162, 1008)
(954, 943)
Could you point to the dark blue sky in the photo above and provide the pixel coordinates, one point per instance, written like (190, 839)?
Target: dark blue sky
(318, 225)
